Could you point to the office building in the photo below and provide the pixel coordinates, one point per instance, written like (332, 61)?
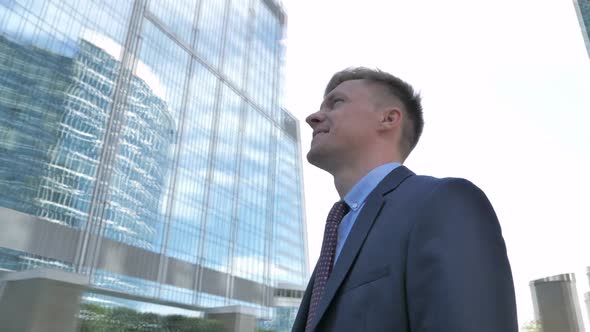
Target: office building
(145, 149)
(583, 11)
(556, 304)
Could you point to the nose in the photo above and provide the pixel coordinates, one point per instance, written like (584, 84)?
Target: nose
(314, 118)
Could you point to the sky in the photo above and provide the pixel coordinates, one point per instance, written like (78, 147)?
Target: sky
(506, 96)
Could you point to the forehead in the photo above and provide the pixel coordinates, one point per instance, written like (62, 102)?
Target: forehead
(351, 88)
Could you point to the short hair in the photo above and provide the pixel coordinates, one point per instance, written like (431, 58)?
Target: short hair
(404, 92)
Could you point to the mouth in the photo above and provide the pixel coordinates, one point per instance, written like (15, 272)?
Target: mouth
(319, 132)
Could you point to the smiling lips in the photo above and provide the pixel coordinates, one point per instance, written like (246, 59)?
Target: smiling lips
(319, 131)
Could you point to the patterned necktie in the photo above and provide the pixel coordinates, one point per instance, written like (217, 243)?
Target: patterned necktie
(326, 261)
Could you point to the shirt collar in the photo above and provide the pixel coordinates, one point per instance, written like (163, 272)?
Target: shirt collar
(357, 196)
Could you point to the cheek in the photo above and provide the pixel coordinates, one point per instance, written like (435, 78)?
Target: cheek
(358, 131)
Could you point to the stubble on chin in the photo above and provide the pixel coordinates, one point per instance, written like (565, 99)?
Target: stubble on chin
(319, 158)
(314, 156)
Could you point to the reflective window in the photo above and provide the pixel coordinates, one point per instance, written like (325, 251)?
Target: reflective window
(236, 41)
(210, 30)
(264, 54)
(177, 16)
(222, 181)
(253, 197)
(288, 215)
(191, 184)
(146, 144)
(59, 63)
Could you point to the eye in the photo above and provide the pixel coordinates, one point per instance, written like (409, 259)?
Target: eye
(337, 100)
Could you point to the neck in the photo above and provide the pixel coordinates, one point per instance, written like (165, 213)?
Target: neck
(346, 178)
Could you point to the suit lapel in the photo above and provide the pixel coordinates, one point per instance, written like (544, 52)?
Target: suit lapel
(357, 236)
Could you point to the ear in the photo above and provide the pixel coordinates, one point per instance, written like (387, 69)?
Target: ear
(391, 118)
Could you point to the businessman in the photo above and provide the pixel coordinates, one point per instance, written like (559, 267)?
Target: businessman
(401, 252)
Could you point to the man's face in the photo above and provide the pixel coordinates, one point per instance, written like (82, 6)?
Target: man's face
(345, 125)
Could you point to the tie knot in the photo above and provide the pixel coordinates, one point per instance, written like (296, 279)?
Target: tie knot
(338, 211)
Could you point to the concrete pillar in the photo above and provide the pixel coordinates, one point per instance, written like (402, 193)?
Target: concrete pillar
(234, 318)
(40, 300)
(556, 303)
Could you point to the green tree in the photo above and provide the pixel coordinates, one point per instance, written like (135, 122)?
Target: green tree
(533, 326)
(96, 318)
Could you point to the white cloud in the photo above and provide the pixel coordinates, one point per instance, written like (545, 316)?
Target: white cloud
(113, 48)
(102, 41)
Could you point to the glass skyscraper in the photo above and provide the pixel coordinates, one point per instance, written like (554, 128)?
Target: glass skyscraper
(143, 144)
(583, 11)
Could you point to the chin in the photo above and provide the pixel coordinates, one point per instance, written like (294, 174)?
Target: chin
(315, 157)
(311, 156)
(320, 159)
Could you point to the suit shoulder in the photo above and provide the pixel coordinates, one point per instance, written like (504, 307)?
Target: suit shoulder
(429, 187)
(438, 183)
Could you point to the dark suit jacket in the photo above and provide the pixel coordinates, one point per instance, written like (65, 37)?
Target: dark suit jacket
(424, 255)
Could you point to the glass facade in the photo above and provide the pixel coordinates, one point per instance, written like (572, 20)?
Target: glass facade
(583, 11)
(149, 137)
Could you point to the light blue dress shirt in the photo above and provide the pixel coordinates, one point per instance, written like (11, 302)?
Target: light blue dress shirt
(356, 199)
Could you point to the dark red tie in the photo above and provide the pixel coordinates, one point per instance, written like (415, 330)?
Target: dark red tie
(326, 261)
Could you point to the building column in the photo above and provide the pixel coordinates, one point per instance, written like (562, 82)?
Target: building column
(556, 303)
(234, 318)
(40, 300)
